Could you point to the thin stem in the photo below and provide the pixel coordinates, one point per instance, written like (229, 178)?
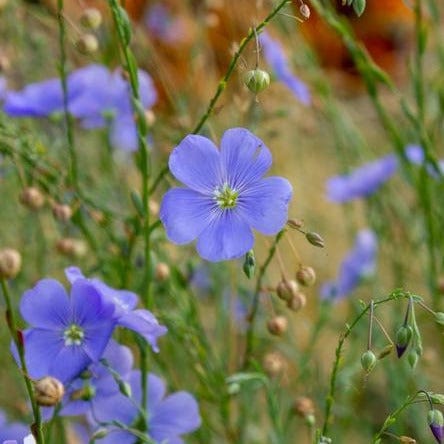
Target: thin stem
(12, 325)
(334, 373)
(255, 302)
(370, 326)
(255, 30)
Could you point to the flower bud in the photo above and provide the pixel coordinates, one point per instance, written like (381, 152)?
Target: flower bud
(305, 11)
(62, 212)
(439, 317)
(32, 198)
(162, 272)
(278, 325)
(49, 391)
(315, 239)
(403, 336)
(99, 434)
(87, 44)
(406, 440)
(257, 80)
(295, 223)
(91, 18)
(249, 265)
(412, 358)
(274, 363)
(70, 247)
(306, 276)
(368, 361)
(286, 289)
(297, 302)
(436, 422)
(10, 263)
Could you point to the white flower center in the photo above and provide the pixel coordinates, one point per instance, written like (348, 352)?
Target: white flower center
(73, 335)
(225, 196)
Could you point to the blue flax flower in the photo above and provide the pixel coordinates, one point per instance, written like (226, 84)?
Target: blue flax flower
(67, 333)
(276, 58)
(359, 263)
(13, 431)
(93, 389)
(225, 195)
(169, 416)
(163, 25)
(141, 321)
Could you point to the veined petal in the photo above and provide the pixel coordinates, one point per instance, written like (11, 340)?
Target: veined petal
(196, 163)
(245, 158)
(69, 363)
(123, 134)
(46, 305)
(264, 205)
(185, 214)
(228, 236)
(156, 391)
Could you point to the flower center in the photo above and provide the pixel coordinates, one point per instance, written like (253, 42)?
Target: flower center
(73, 335)
(225, 196)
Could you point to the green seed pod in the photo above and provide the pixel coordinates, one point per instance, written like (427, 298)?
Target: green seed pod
(257, 80)
(368, 361)
(439, 317)
(249, 266)
(413, 358)
(315, 239)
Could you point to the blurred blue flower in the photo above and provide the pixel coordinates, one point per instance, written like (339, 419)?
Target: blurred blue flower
(141, 321)
(363, 181)
(226, 195)
(29, 439)
(415, 154)
(169, 416)
(162, 25)
(67, 333)
(358, 264)
(276, 58)
(96, 96)
(13, 431)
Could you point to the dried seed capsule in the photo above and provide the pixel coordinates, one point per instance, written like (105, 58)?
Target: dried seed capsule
(71, 247)
(274, 363)
(62, 212)
(32, 198)
(278, 325)
(305, 11)
(297, 302)
(10, 263)
(295, 223)
(306, 276)
(49, 391)
(91, 18)
(162, 272)
(304, 407)
(286, 289)
(87, 44)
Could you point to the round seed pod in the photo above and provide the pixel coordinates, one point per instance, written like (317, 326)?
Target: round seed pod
(91, 18)
(297, 302)
(306, 276)
(87, 44)
(286, 289)
(62, 212)
(49, 391)
(10, 263)
(162, 272)
(32, 198)
(278, 325)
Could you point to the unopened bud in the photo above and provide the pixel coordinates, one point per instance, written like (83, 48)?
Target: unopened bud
(286, 289)
(306, 276)
(249, 266)
(305, 11)
(62, 212)
(315, 239)
(439, 317)
(125, 389)
(71, 247)
(91, 18)
(403, 336)
(99, 434)
(412, 358)
(274, 364)
(278, 325)
(49, 391)
(10, 263)
(368, 361)
(257, 80)
(295, 223)
(297, 302)
(162, 272)
(87, 44)
(436, 423)
(406, 440)
(32, 198)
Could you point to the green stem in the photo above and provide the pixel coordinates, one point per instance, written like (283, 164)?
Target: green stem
(12, 325)
(123, 30)
(338, 352)
(252, 33)
(255, 302)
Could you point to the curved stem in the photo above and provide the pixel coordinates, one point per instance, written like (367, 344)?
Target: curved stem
(36, 428)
